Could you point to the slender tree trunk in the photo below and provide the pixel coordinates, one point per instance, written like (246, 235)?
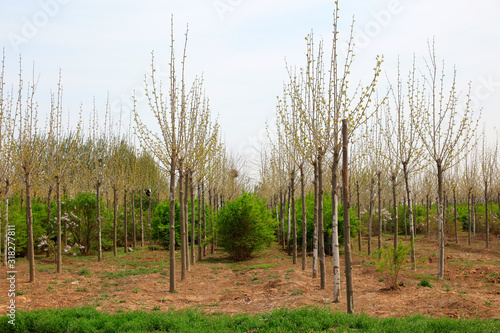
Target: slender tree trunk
(149, 220)
(99, 221)
(204, 218)
(115, 212)
(347, 226)
(404, 216)
(29, 225)
(294, 220)
(186, 220)
(141, 217)
(59, 230)
(473, 202)
(125, 222)
(486, 213)
(321, 233)
(359, 217)
(379, 187)
(191, 185)
(335, 228)
(395, 218)
(199, 223)
(469, 217)
(173, 167)
(440, 221)
(7, 187)
(289, 222)
(428, 220)
(134, 233)
(410, 217)
(370, 210)
(214, 212)
(183, 225)
(315, 231)
(456, 216)
(304, 218)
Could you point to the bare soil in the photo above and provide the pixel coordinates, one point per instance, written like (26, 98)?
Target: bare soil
(139, 281)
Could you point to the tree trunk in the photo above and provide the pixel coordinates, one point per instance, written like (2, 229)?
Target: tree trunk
(99, 221)
(473, 202)
(172, 220)
(469, 216)
(149, 220)
(395, 218)
(199, 222)
(428, 220)
(359, 218)
(486, 213)
(315, 231)
(186, 220)
(5, 253)
(141, 217)
(379, 187)
(304, 218)
(191, 186)
(29, 224)
(440, 220)
(456, 215)
(183, 225)
(404, 216)
(115, 212)
(321, 233)
(59, 230)
(347, 226)
(204, 218)
(125, 222)
(294, 220)
(289, 222)
(410, 216)
(335, 227)
(370, 210)
(134, 233)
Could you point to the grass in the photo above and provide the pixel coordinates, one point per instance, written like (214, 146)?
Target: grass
(237, 268)
(126, 273)
(311, 319)
(425, 283)
(84, 272)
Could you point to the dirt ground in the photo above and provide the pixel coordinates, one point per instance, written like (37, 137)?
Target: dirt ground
(139, 281)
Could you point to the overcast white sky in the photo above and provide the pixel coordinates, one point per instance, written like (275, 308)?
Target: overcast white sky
(240, 46)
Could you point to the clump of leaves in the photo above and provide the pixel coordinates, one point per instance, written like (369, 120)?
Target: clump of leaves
(391, 261)
(84, 272)
(425, 283)
(245, 225)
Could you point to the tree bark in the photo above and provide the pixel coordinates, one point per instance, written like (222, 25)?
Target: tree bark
(294, 219)
(304, 218)
(456, 216)
(29, 223)
(134, 233)
(99, 221)
(183, 225)
(395, 207)
(199, 223)
(141, 217)
(315, 231)
(347, 226)
(191, 185)
(486, 213)
(59, 230)
(125, 222)
(321, 233)
(335, 227)
(7, 187)
(171, 212)
(370, 210)
(359, 217)
(379, 187)
(440, 220)
(115, 212)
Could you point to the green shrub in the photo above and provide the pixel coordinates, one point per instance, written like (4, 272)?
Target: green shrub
(425, 283)
(245, 225)
(391, 262)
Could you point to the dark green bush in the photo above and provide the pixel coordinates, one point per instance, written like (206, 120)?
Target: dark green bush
(245, 225)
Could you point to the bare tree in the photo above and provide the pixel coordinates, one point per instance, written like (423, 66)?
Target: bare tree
(445, 133)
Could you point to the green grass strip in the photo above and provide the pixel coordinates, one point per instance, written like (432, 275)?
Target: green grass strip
(312, 319)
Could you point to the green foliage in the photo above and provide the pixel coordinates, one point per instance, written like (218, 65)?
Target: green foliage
(85, 272)
(390, 262)
(244, 226)
(161, 224)
(425, 283)
(310, 319)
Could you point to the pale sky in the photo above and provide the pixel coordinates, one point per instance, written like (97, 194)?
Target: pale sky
(240, 46)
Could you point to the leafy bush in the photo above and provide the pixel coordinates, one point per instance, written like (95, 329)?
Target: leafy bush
(391, 262)
(425, 283)
(244, 226)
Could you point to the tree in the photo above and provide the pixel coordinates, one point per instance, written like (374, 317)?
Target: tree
(445, 133)
(245, 225)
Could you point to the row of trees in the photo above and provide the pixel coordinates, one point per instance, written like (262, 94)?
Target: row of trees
(410, 136)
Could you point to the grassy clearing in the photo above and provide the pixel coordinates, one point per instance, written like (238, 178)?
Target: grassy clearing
(127, 273)
(282, 320)
(237, 268)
